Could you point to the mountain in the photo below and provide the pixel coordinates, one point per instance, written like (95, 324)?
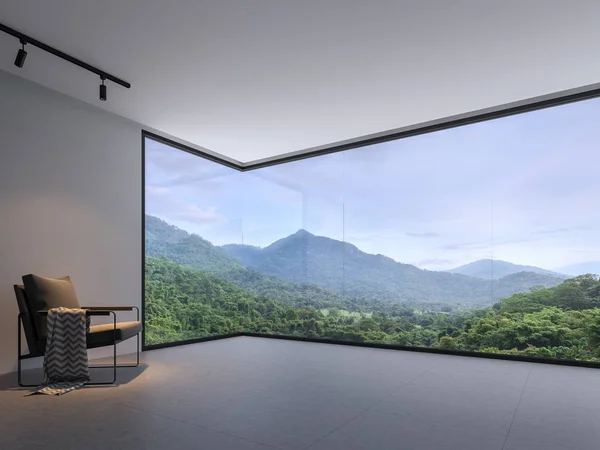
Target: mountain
(316, 271)
(248, 255)
(496, 269)
(343, 268)
(581, 268)
(167, 241)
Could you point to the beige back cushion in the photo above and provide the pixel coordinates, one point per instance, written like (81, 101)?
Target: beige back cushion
(48, 293)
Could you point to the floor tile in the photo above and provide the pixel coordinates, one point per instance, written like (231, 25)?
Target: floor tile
(387, 432)
(488, 411)
(286, 425)
(184, 436)
(254, 394)
(544, 423)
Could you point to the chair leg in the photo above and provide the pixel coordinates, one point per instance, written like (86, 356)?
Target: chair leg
(19, 358)
(137, 363)
(137, 354)
(21, 384)
(114, 364)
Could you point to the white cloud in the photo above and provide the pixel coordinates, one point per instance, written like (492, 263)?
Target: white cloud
(422, 235)
(156, 190)
(164, 203)
(193, 214)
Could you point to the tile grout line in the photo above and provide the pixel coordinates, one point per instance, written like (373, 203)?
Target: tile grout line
(517, 408)
(363, 411)
(409, 382)
(370, 407)
(335, 429)
(144, 410)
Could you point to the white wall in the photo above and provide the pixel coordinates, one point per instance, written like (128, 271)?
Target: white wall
(70, 201)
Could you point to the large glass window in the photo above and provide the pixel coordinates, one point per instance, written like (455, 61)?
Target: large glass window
(482, 238)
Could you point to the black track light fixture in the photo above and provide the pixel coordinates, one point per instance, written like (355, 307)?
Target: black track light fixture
(102, 89)
(28, 40)
(21, 55)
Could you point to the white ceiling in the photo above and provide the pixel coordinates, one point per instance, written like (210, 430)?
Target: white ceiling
(252, 79)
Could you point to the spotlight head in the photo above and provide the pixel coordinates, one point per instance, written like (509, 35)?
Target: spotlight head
(21, 55)
(103, 90)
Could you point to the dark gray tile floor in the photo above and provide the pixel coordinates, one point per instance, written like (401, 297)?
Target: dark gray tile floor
(251, 394)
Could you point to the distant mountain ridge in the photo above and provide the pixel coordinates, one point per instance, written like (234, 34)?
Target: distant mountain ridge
(581, 268)
(163, 240)
(341, 267)
(496, 269)
(314, 270)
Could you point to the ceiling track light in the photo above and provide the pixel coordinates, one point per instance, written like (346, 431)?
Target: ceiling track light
(102, 89)
(22, 55)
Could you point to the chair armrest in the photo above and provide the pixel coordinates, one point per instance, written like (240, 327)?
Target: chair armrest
(109, 308)
(89, 312)
(112, 309)
(98, 313)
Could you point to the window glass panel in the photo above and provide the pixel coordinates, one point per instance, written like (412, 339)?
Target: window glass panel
(481, 238)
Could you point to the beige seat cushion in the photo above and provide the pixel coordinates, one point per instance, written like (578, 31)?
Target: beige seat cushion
(101, 335)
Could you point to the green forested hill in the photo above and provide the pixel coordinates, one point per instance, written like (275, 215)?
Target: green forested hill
(194, 289)
(522, 282)
(494, 268)
(186, 303)
(561, 322)
(166, 241)
(558, 322)
(318, 271)
(582, 292)
(343, 268)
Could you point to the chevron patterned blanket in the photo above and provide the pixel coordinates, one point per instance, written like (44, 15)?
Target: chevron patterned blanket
(65, 361)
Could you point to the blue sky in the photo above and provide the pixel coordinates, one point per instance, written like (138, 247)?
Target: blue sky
(522, 189)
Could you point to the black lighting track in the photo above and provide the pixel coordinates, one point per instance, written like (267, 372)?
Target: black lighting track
(31, 41)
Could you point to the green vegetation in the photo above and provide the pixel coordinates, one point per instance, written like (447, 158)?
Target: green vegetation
(194, 289)
(166, 241)
(185, 303)
(308, 268)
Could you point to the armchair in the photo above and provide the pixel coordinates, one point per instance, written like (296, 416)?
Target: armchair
(37, 295)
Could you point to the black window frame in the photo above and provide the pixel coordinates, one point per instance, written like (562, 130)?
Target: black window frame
(521, 107)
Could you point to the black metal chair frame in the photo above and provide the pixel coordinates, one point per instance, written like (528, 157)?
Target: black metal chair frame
(90, 311)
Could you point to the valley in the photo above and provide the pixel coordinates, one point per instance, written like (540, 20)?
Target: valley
(312, 286)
